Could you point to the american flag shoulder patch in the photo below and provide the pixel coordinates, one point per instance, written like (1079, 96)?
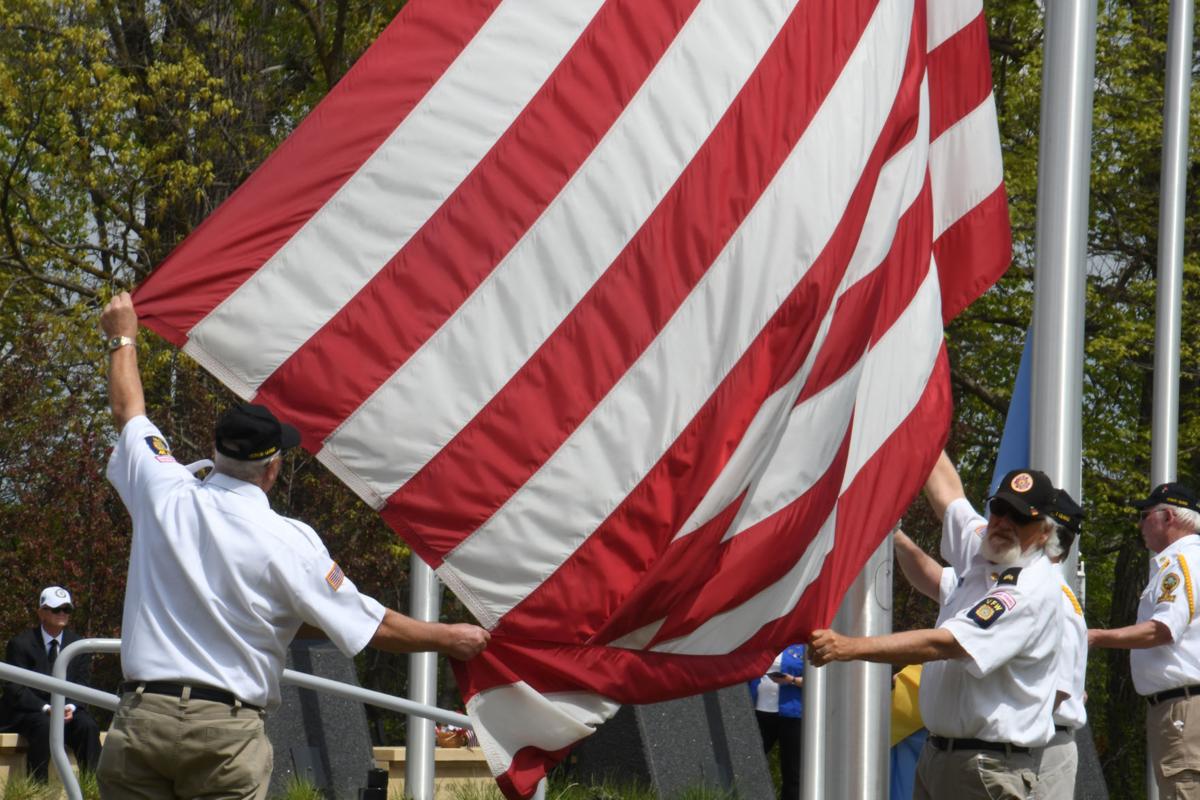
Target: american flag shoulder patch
(335, 577)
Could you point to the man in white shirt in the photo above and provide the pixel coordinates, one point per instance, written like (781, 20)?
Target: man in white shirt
(27, 711)
(219, 585)
(1060, 758)
(988, 689)
(1165, 641)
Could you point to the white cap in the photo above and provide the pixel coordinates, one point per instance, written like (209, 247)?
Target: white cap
(54, 596)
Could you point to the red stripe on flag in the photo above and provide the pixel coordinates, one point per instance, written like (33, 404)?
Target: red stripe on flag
(872, 502)
(973, 253)
(529, 766)
(875, 302)
(867, 509)
(311, 165)
(960, 76)
(375, 333)
(495, 454)
(638, 531)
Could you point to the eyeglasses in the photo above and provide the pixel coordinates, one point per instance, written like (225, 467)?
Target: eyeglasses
(1000, 508)
(59, 610)
(1142, 516)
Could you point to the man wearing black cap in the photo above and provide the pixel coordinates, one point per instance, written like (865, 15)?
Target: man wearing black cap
(1060, 758)
(218, 586)
(1165, 642)
(988, 689)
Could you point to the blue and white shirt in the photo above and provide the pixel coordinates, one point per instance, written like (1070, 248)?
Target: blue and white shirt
(773, 698)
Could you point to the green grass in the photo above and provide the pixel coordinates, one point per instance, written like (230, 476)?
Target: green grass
(26, 788)
(297, 789)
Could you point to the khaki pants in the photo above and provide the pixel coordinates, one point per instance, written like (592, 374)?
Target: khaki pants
(1173, 738)
(974, 775)
(165, 747)
(1060, 762)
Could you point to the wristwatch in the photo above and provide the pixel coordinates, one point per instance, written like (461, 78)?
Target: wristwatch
(115, 343)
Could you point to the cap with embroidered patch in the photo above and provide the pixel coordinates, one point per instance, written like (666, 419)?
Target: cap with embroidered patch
(1066, 512)
(249, 432)
(1171, 494)
(54, 597)
(1029, 491)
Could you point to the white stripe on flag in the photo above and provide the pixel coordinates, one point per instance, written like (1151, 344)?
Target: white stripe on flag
(964, 165)
(563, 253)
(629, 430)
(899, 184)
(903, 360)
(372, 216)
(516, 716)
(948, 17)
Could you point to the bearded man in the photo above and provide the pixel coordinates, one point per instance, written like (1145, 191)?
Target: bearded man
(988, 695)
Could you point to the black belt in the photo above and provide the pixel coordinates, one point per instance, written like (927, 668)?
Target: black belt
(942, 743)
(1171, 694)
(197, 693)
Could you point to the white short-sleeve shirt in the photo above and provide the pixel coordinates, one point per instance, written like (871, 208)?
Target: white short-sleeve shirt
(1170, 598)
(218, 582)
(1008, 620)
(1072, 659)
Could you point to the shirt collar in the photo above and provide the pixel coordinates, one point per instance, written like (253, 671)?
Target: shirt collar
(47, 638)
(239, 487)
(1177, 545)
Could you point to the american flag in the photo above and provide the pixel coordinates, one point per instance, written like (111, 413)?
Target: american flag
(625, 314)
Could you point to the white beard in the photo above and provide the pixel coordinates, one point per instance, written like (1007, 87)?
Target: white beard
(1000, 551)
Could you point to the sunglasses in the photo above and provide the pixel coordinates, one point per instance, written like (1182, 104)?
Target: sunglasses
(59, 610)
(1000, 508)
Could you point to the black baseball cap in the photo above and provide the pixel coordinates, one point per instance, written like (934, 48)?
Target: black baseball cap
(1029, 491)
(1171, 494)
(250, 432)
(1066, 512)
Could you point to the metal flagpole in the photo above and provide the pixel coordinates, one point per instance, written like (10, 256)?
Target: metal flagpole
(425, 604)
(1064, 163)
(1173, 191)
(858, 701)
(1172, 194)
(812, 761)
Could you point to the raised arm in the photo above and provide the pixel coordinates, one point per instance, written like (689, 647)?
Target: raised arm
(125, 394)
(921, 570)
(943, 486)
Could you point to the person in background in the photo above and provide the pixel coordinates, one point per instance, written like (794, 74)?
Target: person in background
(779, 707)
(27, 711)
(1165, 640)
(1060, 758)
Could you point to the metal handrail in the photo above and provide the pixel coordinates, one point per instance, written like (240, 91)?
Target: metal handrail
(57, 684)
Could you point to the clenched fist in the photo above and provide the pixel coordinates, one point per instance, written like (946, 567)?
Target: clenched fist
(462, 641)
(826, 646)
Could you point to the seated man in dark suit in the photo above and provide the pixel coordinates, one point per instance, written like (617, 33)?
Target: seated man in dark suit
(26, 710)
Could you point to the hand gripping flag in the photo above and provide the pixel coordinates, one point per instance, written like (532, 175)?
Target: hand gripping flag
(625, 314)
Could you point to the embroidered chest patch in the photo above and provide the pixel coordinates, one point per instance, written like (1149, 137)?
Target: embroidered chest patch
(1169, 584)
(987, 611)
(158, 446)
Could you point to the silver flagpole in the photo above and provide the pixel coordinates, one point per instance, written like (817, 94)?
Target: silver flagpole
(425, 604)
(858, 705)
(1172, 194)
(1064, 165)
(812, 761)
(1164, 428)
